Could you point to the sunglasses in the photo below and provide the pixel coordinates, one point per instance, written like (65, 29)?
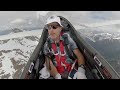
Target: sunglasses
(49, 27)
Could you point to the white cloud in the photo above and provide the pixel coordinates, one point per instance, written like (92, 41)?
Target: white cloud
(42, 13)
(18, 20)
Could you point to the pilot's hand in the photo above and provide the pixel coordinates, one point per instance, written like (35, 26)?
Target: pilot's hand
(80, 74)
(58, 76)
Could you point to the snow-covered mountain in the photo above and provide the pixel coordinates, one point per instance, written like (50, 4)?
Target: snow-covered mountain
(15, 51)
(102, 36)
(99, 31)
(105, 41)
(108, 47)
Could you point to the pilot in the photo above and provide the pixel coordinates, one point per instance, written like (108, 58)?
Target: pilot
(61, 65)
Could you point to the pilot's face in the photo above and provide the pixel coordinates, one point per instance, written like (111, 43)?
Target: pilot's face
(54, 30)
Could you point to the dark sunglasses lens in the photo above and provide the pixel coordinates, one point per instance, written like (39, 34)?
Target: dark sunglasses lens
(54, 27)
(51, 26)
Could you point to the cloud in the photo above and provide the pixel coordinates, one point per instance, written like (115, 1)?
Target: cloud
(42, 13)
(18, 21)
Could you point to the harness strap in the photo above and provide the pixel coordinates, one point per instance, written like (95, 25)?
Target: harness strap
(68, 51)
(60, 57)
(62, 65)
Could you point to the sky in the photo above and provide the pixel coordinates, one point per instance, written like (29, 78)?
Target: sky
(8, 16)
(73, 16)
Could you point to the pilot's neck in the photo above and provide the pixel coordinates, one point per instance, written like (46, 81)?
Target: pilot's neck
(57, 40)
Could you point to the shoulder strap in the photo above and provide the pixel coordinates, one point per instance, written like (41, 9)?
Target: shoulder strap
(50, 46)
(68, 51)
(66, 42)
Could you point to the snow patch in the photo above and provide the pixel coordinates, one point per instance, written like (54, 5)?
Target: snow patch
(7, 66)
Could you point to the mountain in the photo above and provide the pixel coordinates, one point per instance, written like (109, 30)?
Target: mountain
(15, 52)
(110, 49)
(107, 43)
